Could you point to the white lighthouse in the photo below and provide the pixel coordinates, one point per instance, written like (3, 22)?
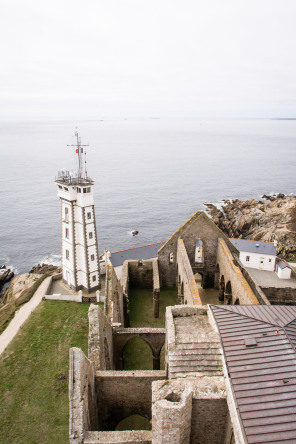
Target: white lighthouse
(80, 257)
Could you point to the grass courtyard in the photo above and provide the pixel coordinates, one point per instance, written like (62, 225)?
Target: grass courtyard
(137, 354)
(34, 374)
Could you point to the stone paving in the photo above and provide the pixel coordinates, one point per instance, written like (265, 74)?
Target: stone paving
(270, 279)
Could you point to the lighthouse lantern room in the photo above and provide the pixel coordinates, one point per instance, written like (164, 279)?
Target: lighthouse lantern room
(80, 257)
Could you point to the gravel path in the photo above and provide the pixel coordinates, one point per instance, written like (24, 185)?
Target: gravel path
(22, 315)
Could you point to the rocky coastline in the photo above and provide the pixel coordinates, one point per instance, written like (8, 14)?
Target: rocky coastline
(268, 219)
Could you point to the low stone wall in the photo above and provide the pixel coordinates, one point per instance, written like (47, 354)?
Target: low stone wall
(82, 396)
(187, 288)
(63, 297)
(280, 296)
(126, 437)
(100, 339)
(122, 394)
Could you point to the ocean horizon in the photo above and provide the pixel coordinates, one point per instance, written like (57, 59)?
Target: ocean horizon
(150, 175)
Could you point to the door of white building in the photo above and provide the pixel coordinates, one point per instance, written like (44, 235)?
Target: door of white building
(261, 263)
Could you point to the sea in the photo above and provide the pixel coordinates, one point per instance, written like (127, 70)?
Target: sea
(151, 175)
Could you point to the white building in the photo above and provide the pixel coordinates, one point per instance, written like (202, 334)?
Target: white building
(283, 270)
(254, 254)
(80, 257)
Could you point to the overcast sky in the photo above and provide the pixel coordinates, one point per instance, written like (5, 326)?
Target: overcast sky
(189, 58)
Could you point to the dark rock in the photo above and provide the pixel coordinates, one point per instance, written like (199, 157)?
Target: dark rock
(44, 268)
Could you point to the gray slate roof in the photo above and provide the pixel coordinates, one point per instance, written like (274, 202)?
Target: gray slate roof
(283, 264)
(251, 246)
(138, 253)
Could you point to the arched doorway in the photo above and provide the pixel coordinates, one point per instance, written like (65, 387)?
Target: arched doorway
(228, 294)
(134, 422)
(221, 288)
(137, 355)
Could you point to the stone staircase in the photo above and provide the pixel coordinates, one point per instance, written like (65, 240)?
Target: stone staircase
(196, 351)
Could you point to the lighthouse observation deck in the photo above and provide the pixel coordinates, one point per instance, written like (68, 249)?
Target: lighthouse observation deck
(66, 178)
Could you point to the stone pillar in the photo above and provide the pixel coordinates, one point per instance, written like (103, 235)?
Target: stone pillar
(227, 298)
(156, 303)
(171, 418)
(156, 362)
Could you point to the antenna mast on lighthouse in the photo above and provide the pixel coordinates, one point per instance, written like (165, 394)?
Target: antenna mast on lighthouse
(82, 173)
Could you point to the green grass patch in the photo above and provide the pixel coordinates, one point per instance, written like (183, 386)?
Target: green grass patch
(137, 354)
(34, 374)
(141, 307)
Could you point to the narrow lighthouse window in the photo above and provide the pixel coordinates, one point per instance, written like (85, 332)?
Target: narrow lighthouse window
(66, 213)
(92, 258)
(89, 215)
(67, 254)
(90, 235)
(67, 233)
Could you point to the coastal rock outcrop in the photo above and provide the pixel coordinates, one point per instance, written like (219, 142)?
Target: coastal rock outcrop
(45, 268)
(269, 219)
(6, 274)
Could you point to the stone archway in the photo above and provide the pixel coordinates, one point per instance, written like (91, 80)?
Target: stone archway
(134, 422)
(137, 354)
(221, 288)
(228, 294)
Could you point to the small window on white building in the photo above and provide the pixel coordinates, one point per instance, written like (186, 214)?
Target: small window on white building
(67, 254)
(199, 251)
(78, 190)
(90, 235)
(89, 215)
(60, 187)
(67, 233)
(94, 278)
(92, 257)
(86, 190)
(269, 260)
(66, 213)
(247, 258)
(66, 189)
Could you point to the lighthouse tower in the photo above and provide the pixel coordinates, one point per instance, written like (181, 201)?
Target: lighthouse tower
(80, 258)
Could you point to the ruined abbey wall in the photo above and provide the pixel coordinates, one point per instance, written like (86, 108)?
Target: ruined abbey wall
(100, 339)
(199, 227)
(228, 268)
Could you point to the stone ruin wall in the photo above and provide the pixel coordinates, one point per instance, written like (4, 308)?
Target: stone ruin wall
(124, 393)
(100, 339)
(187, 288)
(137, 274)
(280, 296)
(241, 290)
(200, 227)
(190, 410)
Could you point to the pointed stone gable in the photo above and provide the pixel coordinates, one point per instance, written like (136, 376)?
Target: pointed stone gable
(198, 228)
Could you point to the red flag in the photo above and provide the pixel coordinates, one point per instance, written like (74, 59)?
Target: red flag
(77, 151)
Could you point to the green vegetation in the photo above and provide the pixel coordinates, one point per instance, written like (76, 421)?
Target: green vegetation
(137, 353)
(141, 307)
(34, 374)
(134, 422)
